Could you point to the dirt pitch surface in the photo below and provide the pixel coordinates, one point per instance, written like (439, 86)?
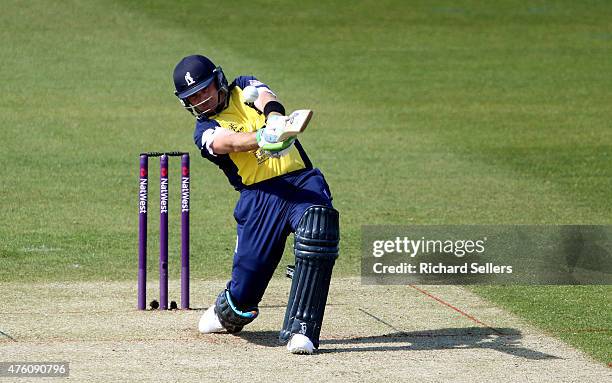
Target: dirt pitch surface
(371, 333)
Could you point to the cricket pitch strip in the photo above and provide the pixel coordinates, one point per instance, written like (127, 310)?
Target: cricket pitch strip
(370, 333)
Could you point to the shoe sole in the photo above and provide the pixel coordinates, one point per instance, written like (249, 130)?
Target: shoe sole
(301, 351)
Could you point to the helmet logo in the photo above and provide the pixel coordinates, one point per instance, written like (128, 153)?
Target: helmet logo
(189, 79)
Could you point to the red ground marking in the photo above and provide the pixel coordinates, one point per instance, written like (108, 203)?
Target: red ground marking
(470, 317)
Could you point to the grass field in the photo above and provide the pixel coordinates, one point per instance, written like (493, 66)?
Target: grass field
(448, 113)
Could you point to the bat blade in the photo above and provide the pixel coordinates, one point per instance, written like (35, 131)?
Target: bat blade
(296, 124)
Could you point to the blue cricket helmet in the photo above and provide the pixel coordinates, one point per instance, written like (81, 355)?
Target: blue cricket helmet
(194, 73)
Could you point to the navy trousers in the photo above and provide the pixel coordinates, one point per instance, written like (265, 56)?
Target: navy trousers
(266, 214)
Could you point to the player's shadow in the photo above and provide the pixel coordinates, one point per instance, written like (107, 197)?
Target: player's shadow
(506, 340)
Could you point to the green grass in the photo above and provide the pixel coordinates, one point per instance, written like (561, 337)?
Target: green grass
(458, 112)
(580, 315)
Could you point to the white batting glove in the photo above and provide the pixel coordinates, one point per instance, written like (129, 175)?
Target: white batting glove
(275, 126)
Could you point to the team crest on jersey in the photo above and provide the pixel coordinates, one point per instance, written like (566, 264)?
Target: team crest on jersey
(189, 79)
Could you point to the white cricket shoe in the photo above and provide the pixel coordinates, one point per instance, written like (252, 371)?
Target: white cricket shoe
(209, 322)
(300, 344)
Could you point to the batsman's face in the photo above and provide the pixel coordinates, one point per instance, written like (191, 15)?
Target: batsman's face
(206, 100)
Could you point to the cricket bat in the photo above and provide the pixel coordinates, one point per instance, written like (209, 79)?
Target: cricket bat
(296, 123)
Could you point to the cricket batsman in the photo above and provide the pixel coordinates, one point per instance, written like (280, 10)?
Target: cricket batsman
(237, 128)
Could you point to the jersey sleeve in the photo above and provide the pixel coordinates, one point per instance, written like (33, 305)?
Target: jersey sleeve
(244, 81)
(204, 134)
